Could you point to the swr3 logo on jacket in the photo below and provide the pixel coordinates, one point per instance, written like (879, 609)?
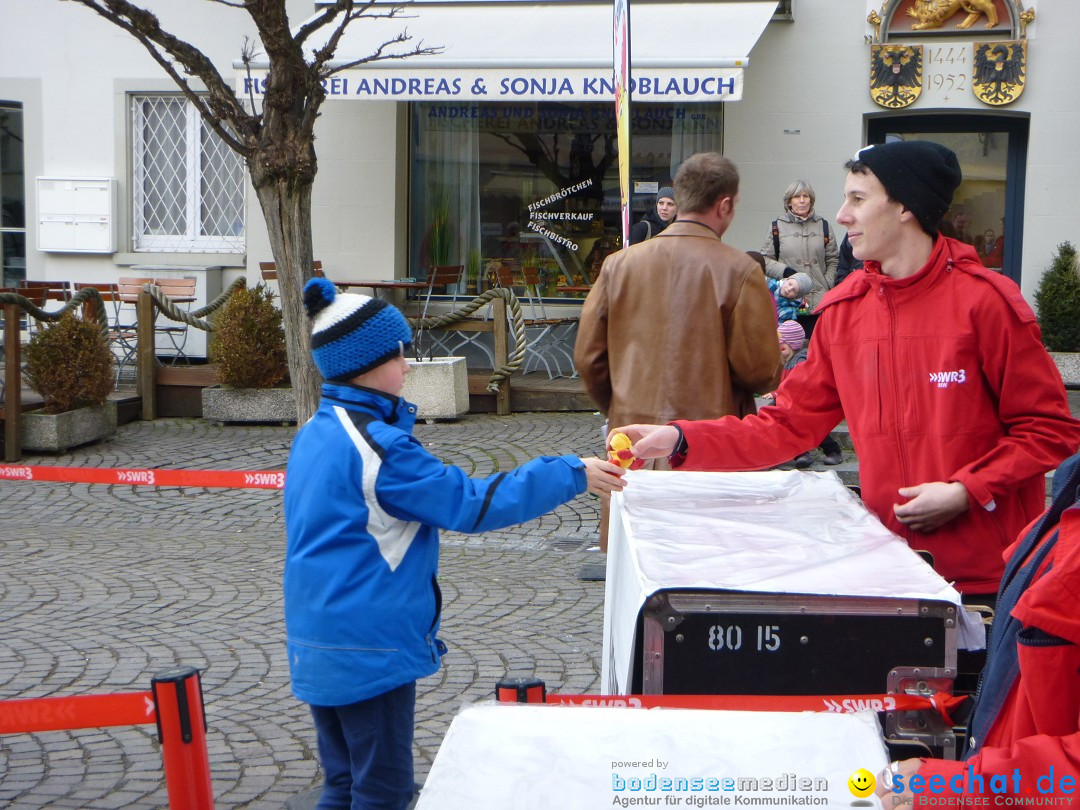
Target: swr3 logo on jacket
(944, 378)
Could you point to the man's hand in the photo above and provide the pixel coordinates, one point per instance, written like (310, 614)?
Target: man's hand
(603, 477)
(932, 504)
(650, 441)
(905, 768)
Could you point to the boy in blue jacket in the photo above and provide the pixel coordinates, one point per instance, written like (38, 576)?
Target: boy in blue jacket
(363, 504)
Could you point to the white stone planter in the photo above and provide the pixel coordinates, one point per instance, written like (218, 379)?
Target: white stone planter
(439, 387)
(57, 432)
(1068, 364)
(224, 404)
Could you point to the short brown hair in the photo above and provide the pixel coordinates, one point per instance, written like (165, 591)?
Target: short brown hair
(704, 179)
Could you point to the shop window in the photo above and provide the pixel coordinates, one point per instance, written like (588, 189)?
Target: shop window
(188, 185)
(987, 207)
(12, 195)
(537, 184)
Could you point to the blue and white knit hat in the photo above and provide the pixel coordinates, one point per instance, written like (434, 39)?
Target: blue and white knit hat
(352, 334)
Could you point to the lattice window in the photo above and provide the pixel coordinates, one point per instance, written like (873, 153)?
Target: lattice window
(188, 185)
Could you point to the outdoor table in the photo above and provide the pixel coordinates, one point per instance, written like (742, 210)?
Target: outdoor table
(533, 757)
(384, 284)
(777, 539)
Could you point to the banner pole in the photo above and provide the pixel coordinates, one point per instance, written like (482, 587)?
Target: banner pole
(621, 61)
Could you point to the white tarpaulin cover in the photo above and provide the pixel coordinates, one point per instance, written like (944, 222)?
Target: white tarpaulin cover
(522, 757)
(770, 532)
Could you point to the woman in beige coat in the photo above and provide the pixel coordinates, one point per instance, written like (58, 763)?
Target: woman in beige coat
(799, 241)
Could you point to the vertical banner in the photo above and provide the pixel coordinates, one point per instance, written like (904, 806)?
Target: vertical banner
(621, 58)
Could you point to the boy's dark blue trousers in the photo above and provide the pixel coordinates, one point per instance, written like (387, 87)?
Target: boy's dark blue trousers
(366, 751)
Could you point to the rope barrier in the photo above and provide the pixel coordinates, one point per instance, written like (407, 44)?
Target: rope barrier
(83, 295)
(513, 362)
(227, 479)
(194, 318)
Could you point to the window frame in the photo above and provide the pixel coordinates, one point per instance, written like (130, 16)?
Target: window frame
(192, 241)
(16, 231)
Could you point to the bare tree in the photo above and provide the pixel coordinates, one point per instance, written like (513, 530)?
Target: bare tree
(277, 141)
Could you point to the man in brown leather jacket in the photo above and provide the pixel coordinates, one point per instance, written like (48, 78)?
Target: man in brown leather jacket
(681, 326)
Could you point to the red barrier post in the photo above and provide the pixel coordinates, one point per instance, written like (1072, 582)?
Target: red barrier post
(181, 721)
(520, 690)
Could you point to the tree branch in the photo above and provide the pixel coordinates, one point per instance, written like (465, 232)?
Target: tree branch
(327, 16)
(379, 56)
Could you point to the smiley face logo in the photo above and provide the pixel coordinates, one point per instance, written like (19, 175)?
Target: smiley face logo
(861, 783)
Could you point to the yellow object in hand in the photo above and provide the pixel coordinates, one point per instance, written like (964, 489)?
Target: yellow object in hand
(620, 452)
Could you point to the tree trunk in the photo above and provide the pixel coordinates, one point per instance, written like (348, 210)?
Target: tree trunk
(287, 210)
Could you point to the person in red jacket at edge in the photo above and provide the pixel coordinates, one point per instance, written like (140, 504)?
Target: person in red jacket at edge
(955, 409)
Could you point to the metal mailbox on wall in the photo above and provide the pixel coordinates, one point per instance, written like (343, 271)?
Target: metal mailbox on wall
(76, 214)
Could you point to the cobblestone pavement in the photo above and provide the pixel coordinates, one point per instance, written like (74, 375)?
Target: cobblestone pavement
(103, 586)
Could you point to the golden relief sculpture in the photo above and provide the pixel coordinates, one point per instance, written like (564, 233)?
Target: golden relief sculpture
(998, 72)
(935, 13)
(1025, 18)
(875, 20)
(895, 74)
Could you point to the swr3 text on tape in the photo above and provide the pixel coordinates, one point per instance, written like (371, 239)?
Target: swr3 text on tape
(229, 479)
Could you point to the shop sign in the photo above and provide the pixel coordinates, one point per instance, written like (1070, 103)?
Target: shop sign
(520, 84)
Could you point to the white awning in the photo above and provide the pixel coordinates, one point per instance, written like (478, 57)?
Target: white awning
(548, 51)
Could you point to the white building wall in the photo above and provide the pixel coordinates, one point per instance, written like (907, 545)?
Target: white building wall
(800, 116)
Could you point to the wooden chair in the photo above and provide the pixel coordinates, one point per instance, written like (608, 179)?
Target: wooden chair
(181, 291)
(36, 295)
(269, 270)
(127, 321)
(121, 338)
(54, 290)
(545, 338)
(439, 277)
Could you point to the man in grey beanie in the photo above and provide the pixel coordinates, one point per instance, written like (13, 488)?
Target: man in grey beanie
(956, 410)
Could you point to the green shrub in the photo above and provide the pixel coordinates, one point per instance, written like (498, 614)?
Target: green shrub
(69, 364)
(249, 341)
(1058, 302)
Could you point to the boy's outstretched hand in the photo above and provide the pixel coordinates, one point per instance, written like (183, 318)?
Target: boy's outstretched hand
(650, 441)
(603, 477)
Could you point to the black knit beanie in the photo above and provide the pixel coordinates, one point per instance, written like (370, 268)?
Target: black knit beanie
(920, 175)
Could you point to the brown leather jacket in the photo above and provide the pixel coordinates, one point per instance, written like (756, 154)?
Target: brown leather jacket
(679, 327)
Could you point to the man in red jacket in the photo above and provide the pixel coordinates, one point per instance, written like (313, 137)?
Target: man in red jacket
(956, 410)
